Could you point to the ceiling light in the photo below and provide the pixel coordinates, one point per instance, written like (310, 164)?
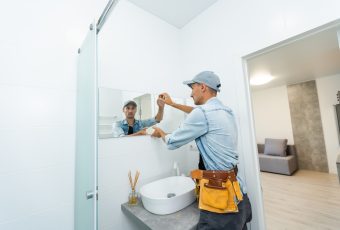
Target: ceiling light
(261, 79)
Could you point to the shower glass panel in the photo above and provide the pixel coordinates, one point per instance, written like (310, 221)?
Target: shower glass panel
(86, 135)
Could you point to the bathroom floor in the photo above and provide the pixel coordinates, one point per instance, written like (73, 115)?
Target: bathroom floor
(306, 200)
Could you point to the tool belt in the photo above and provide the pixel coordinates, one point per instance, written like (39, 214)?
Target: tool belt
(217, 191)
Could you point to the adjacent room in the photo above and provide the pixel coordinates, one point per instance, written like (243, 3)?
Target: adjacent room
(295, 89)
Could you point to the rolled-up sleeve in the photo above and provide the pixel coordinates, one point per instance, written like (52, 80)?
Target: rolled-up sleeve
(194, 126)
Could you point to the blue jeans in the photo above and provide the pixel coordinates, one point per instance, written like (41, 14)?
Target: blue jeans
(230, 221)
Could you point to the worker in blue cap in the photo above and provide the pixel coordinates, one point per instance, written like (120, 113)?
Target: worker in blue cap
(212, 125)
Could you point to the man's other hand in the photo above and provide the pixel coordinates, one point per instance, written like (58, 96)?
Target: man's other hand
(160, 102)
(142, 132)
(167, 99)
(158, 133)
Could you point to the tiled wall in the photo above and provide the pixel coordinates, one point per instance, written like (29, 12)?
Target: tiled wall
(307, 126)
(37, 119)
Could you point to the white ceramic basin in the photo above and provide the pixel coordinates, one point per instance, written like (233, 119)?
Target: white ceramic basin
(168, 195)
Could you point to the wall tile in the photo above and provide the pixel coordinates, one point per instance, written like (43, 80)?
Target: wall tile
(35, 191)
(56, 218)
(26, 148)
(32, 106)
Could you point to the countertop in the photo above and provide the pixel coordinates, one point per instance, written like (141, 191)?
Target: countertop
(185, 219)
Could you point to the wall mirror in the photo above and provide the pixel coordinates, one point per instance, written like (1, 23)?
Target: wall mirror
(111, 103)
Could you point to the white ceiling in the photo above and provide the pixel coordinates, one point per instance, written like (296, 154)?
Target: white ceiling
(175, 12)
(312, 57)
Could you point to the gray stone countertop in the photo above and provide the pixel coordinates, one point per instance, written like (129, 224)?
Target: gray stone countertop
(185, 219)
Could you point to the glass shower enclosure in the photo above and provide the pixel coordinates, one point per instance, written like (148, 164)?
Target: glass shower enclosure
(86, 189)
(85, 215)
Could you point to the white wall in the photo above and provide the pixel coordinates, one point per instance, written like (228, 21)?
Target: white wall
(219, 38)
(327, 89)
(272, 114)
(39, 42)
(138, 51)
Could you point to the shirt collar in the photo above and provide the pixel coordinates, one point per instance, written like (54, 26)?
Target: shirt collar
(211, 100)
(126, 123)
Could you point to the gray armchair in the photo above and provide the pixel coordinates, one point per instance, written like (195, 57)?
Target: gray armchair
(278, 164)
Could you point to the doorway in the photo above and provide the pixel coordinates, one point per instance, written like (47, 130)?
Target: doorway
(293, 87)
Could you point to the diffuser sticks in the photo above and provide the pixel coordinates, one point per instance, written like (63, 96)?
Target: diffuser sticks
(133, 195)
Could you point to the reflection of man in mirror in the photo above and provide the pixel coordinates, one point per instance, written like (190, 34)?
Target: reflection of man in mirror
(134, 127)
(212, 125)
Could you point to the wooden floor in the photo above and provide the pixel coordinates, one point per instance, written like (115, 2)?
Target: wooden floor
(307, 200)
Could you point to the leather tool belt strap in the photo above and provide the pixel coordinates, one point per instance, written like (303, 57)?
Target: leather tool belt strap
(215, 177)
(217, 190)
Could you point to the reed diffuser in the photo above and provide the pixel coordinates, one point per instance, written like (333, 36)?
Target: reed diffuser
(133, 199)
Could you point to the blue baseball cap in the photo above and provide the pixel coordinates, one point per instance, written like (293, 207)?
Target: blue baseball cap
(207, 77)
(130, 102)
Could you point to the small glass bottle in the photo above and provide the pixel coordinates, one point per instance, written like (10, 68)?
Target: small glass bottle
(133, 199)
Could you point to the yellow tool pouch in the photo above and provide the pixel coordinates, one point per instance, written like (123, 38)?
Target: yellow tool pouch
(218, 191)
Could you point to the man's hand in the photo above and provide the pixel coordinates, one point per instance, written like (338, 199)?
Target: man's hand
(167, 99)
(159, 133)
(160, 102)
(142, 132)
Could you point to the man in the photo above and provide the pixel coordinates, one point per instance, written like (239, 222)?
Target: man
(212, 125)
(133, 127)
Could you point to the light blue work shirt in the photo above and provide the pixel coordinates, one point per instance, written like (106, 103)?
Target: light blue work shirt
(214, 129)
(138, 125)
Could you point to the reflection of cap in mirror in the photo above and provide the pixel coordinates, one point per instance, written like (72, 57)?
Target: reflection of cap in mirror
(130, 102)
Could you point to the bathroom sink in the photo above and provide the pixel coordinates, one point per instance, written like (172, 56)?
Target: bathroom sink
(168, 195)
